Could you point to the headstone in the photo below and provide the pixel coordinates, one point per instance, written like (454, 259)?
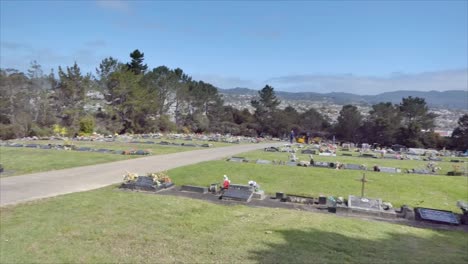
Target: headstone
(258, 195)
(364, 203)
(263, 162)
(389, 170)
(322, 200)
(104, 150)
(280, 196)
(83, 149)
(413, 157)
(197, 189)
(237, 159)
(308, 151)
(353, 167)
(327, 154)
(141, 152)
(271, 149)
(144, 182)
(300, 199)
(436, 216)
(420, 171)
(238, 193)
(321, 164)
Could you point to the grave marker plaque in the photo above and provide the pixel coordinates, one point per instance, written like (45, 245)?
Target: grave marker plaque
(353, 167)
(238, 194)
(436, 216)
(321, 164)
(263, 162)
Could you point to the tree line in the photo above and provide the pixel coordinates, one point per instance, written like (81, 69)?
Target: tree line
(142, 100)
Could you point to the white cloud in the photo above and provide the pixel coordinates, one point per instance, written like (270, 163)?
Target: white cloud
(368, 85)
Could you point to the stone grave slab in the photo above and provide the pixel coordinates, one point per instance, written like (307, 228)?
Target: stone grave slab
(83, 149)
(32, 146)
(413, 157)
(271, 149)
(263, 162)
(145, 183)
(321, 164)
(241, 193)
(45, 147)
(389, 170)
(299, 199)
(206, 145)
(259, 195)
(369, 206)
(188, 145)
(237, 159)
(291, 163)
(103, 150)
(327, 154)
(191, 188)
(420, 171)
(353, 167)
(164, 143)
(309, 151)
(436, 216)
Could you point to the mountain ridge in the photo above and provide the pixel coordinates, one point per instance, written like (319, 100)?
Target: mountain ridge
(450, 99)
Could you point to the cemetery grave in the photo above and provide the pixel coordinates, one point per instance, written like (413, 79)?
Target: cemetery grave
(153, 182)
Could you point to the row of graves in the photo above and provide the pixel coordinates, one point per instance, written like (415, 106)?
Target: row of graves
(354, 206)
(76, 148)
(293, 161)
(430, 168)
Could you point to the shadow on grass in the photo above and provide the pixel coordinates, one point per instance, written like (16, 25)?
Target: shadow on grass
(317, 246)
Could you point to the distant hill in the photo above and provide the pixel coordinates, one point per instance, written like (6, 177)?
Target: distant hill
(454, 99)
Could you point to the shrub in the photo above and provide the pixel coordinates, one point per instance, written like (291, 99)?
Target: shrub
(87, 125)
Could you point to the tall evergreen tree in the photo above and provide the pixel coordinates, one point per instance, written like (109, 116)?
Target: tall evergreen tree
(136, 65)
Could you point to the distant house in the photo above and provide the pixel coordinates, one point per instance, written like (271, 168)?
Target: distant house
(444, 133)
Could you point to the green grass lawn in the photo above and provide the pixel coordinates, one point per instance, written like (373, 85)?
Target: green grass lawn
(108, 225)
(445, 165)
(17, 161)
(411, 189)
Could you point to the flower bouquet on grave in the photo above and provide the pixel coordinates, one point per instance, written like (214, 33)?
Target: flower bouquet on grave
(130, 177)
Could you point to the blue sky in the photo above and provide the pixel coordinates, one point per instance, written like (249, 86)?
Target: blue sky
(321, 46)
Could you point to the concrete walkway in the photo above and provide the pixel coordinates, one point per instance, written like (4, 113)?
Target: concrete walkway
(17, 189)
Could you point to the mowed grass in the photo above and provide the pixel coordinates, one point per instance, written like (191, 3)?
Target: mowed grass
(108, 225)
(432, 191)
(445, 165)
(17, 161)
(22, 160)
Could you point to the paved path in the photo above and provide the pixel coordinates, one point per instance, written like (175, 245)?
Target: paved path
(17, 189)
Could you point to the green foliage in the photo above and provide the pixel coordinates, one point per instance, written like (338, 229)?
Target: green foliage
(349, 123)
(87, 124)
(460, 134)
(136, 65)
(8, 131)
